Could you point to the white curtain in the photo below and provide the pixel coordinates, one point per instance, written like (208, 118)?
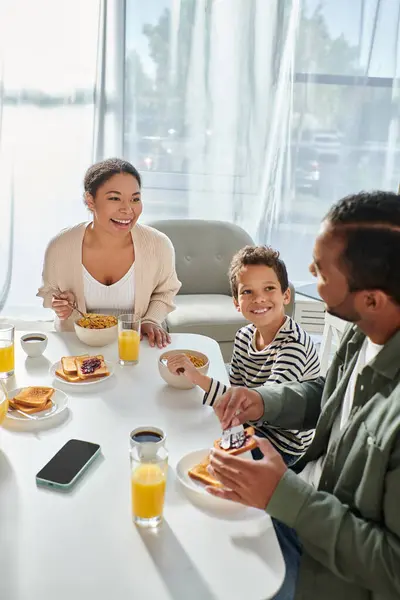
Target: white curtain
(259, 112)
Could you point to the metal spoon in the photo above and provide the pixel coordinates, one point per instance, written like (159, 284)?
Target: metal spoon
(57, 291)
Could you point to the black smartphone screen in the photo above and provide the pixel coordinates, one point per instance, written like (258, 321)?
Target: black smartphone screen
(68, 461)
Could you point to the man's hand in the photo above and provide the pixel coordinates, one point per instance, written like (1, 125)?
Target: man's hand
(62, 305)
(155, 334)
(238, 406)
(250, 482)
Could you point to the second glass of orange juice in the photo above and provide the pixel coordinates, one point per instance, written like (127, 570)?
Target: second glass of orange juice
(128, 339)
(6, 351)
(149, 465)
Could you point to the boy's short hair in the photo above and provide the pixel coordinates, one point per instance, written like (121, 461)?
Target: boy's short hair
(257, 255)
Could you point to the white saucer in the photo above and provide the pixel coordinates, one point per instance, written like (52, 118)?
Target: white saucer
(60, 402)
(57, 365)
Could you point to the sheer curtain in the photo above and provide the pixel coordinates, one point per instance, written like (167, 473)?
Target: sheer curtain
(48, 61)
(259, 112)
(262, 112)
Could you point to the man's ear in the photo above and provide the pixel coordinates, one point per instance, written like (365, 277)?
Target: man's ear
(374, 300)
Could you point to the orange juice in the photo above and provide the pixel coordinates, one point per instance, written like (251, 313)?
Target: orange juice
(148, 491)
(3, 409)
(6, 357)
(128, 345)
(3, 402)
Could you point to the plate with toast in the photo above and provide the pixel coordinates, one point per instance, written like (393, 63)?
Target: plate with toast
(192, 469)
(36, 403)
(81, 370)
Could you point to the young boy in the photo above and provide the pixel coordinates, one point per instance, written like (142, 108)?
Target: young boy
(272, 349)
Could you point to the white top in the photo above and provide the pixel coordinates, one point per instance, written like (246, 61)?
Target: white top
(313, 470)
(83, 544)
(117, 298)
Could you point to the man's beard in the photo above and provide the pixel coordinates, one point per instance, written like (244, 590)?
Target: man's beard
(339, 315)
(346, 313)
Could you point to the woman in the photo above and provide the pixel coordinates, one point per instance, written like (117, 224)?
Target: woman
(113, 264)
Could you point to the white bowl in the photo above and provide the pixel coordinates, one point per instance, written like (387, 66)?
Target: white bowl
(96, 337)
(180, 381)
(34, 344)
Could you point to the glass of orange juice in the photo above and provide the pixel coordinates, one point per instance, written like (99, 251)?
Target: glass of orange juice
(3, 401)
(6, 351)
(128, 339)
(149, 466)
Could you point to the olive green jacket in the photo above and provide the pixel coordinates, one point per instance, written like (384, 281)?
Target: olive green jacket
(350, 526)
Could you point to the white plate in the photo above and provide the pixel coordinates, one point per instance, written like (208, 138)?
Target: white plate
(57, 365)
(186, 463)
(196, 491)
(60, 402)
(191, 459)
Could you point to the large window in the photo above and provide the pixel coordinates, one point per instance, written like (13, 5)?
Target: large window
(259, 112)
(48, 57)
(189, 119)
(345, 120)
(263, 115)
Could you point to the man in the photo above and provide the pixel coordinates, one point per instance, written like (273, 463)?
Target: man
(337, 517)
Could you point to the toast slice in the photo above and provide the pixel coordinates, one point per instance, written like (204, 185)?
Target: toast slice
(69, 365)
(91, 366)
(66, 377)
(249, 444)
(34, 396)
(74, 378)
(200, 473)
(31, 409)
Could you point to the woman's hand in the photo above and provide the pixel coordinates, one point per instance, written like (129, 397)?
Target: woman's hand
(155, 334)
(62, 305)
(180, 364)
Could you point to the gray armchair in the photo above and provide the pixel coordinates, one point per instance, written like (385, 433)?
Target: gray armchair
(204, 250)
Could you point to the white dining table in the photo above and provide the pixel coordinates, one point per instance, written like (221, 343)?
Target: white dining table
(83, 544)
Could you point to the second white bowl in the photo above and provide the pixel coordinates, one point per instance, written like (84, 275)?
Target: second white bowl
(180, 381)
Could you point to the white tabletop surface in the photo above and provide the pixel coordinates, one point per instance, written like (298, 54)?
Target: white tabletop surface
(83, 544)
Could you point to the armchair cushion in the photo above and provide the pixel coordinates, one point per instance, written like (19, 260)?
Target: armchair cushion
(213, 315)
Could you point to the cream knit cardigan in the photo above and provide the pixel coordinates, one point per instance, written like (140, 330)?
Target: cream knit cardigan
(156, 283)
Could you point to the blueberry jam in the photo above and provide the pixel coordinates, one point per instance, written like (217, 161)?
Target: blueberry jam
(90, 365)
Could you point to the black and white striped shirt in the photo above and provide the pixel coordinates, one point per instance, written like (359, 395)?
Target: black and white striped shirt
(291, 356)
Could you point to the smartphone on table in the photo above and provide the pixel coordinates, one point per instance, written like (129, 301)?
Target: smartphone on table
(66, 467)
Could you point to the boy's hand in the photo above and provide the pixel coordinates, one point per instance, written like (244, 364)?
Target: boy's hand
(180, 364)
